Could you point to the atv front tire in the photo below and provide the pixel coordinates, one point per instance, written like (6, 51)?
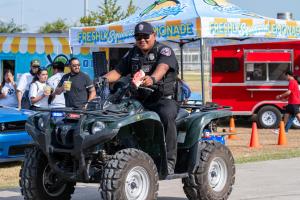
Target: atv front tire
(130, 175)
(214, 176)
(39, 182)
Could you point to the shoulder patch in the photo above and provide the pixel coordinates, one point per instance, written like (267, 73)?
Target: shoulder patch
(166, 51)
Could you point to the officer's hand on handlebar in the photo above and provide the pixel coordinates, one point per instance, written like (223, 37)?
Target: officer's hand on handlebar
(147, 81)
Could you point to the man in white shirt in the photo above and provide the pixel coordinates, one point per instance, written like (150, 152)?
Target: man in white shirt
(24, 83)
(57, 101)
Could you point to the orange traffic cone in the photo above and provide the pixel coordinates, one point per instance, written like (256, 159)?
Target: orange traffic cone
(232, 130)
(254, 137)
(282, 137)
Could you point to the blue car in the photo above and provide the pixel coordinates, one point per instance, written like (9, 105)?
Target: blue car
(13, 137)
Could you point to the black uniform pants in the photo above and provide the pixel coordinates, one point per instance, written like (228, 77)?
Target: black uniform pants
(167, 110)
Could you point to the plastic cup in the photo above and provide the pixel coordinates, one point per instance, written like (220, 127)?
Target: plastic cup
(47, 90)
(67, 85)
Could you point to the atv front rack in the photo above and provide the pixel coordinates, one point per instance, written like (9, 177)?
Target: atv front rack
(196, 106)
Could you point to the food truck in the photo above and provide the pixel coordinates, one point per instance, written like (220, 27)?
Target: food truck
(249, 76)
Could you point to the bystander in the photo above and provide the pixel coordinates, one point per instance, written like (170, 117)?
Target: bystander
(39, 91)
(293, 95)
(23, 85)
(56, 101)
(77, 87)
(8, 90)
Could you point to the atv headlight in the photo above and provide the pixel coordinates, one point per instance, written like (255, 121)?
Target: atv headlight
(97, 127)
(41, 123)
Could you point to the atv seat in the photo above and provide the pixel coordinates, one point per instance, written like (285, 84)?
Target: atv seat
(183, 113)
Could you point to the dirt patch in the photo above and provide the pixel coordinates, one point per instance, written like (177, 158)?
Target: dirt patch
(268, 144)
(9, 174)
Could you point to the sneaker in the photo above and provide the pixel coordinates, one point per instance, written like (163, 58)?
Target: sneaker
(275, 131)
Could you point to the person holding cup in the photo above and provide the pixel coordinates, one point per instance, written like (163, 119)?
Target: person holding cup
(39, 91)
(77, 87)
(8, 90)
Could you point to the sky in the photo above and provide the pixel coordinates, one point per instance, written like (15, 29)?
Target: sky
(35, 13)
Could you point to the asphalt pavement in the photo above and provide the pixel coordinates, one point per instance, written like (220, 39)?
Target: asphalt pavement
(268, 180)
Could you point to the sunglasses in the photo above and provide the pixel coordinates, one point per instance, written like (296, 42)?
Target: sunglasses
(140, 37)
(75, 65)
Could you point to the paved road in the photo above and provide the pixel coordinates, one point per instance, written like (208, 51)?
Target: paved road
(269, 180)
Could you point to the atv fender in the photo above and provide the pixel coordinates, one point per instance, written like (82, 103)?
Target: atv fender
(197, 122)
(114, 128)
(136, 118)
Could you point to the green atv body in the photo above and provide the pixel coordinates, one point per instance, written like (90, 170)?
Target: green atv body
(122, 146)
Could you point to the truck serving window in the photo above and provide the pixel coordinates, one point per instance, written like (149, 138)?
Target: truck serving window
(226, 65)
(266, 71)
(267, 65)
(256, 71)
(277, 71)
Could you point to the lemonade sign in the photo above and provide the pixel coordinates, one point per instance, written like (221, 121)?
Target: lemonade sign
(159, 10)
(187, 19)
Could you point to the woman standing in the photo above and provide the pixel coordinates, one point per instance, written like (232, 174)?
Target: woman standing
(39, 91)
(8, 90)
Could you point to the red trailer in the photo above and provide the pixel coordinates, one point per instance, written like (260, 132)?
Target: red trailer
(249, 76)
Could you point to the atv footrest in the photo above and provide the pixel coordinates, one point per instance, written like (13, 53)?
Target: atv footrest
(175, 176)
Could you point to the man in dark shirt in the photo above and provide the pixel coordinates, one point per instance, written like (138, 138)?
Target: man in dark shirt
(77, 86)
(160, 66)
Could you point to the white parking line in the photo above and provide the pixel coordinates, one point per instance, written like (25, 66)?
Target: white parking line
(9, 194)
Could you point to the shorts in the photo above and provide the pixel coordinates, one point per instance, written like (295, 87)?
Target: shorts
(292, 109)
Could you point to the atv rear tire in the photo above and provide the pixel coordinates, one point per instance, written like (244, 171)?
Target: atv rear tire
(214, 176)
(38, 181)
(130, 174)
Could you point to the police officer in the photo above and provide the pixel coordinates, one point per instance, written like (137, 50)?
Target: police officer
(159, 63)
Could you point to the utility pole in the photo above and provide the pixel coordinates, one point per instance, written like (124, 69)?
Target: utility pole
(22, 15)
(85, 7)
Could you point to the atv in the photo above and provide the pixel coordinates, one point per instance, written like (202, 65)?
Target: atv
(120, 145)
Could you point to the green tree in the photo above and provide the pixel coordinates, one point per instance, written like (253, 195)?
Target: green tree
(10, 27)
(108, 12)
(58, 26)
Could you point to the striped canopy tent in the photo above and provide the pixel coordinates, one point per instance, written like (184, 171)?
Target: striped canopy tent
(187, 20)
(38, 43)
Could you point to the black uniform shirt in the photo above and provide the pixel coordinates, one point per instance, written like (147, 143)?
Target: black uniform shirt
(78, 95)
(160, 53)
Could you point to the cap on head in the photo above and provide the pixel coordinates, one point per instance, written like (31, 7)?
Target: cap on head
(143, 28)
(35, 63)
